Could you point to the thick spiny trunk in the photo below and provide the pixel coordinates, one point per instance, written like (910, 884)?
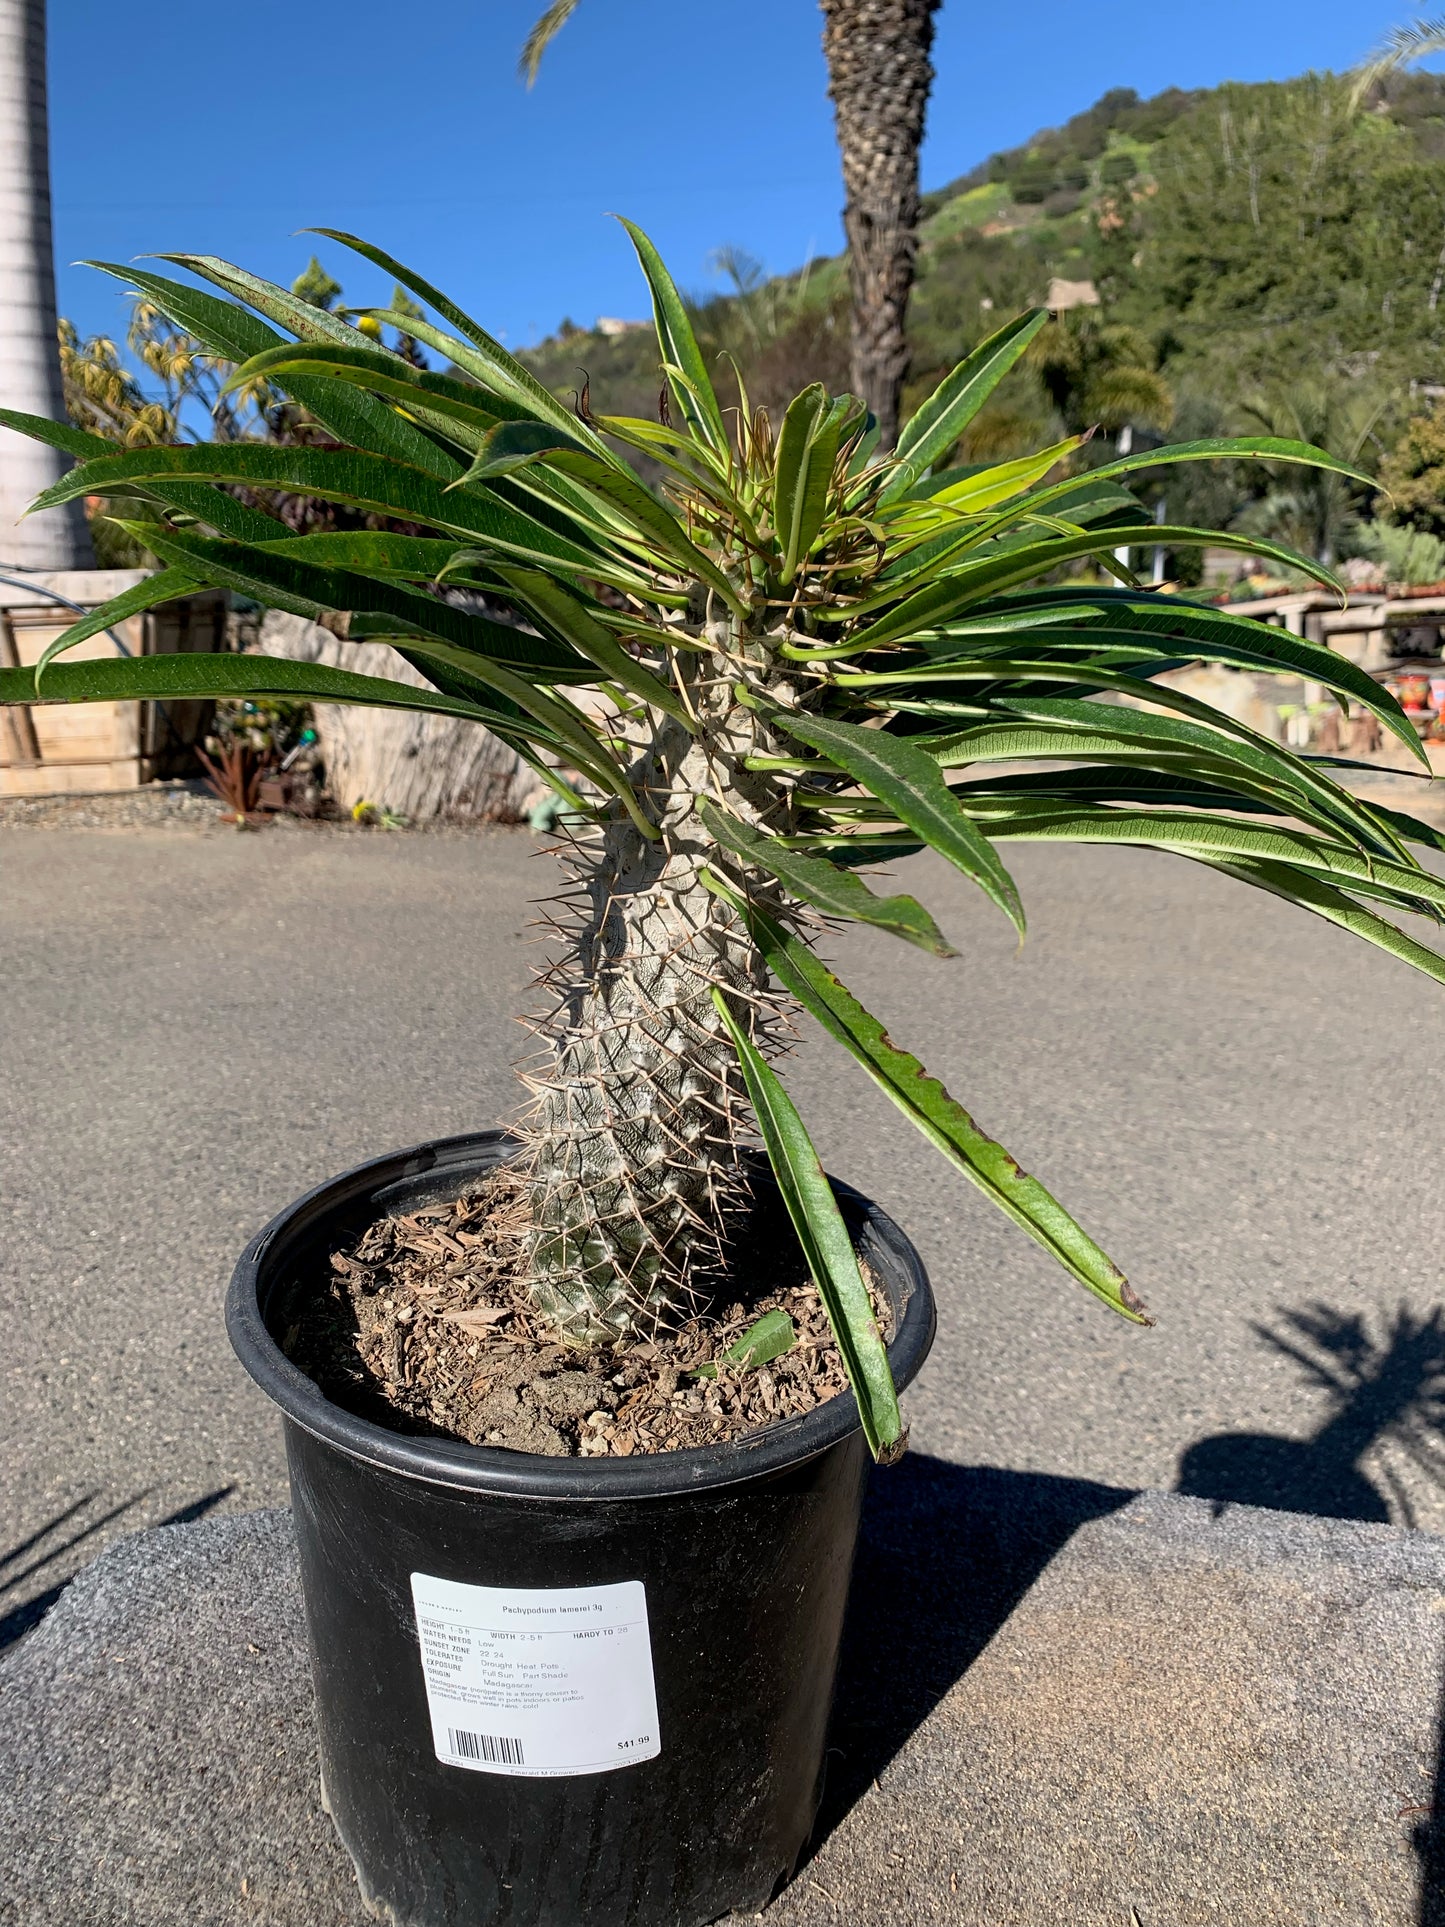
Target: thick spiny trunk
(632, 1153)
(879, 77)
(29, 357)
(633, 1139)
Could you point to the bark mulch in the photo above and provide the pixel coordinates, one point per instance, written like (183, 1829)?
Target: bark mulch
(423, 1327)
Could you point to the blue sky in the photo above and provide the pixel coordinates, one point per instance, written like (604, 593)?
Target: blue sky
(224, 129)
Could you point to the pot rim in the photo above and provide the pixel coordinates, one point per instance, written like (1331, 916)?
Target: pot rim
(490, 1468)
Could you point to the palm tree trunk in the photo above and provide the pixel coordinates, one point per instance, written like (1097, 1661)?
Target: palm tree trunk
(29, 359)
(879, 77)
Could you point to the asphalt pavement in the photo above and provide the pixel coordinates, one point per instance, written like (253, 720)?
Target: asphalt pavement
(1241, 1103)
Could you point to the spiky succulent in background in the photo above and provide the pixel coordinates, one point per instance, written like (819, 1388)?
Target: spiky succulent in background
(792, 663)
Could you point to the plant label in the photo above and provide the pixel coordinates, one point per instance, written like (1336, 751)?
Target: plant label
(537, 1683)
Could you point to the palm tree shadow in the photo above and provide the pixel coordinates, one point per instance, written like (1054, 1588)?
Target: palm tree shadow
(1385, 1391)
(28, 1558)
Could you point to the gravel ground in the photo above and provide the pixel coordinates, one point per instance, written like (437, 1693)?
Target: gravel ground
(188, 806)
(159, 806)
(1240, 1102)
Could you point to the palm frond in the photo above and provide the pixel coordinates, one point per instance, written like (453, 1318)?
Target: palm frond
(1401, 47)
(544, 32)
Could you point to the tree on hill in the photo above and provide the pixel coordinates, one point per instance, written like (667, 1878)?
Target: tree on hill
(879, 77)
(1412, 475)
(1319, 515)
(1099, 374)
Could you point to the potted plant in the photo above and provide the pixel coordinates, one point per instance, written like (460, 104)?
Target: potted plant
(587, 1680)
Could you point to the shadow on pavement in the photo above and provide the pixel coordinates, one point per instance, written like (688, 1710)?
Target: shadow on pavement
(1386, 1390)
(947, 1552)
(19, 1620)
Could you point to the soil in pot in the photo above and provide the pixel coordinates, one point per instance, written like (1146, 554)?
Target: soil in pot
(424, 1327)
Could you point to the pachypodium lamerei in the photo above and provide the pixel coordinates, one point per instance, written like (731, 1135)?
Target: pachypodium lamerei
(791, 661)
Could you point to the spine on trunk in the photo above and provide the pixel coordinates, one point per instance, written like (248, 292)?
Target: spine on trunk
(631, 1150)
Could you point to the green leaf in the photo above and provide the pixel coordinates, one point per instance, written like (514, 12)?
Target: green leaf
(817, 881)
(430, 627)
(924, 1101)
(1099, 785)
(453, 680)
(907, 780)
(993, 480)
(931, 607)
(649, 517)
(696, 400)
(224, 328)
(374, 552)
(1015, 819)
(1229, 765)
(807, 451)
(1409, 828)
(1192, 633)
(561, 611)
(1324, 900)
(166, 585)
(1088, 727)
(235, 335)
(360, 365)
(917, 557)
(502, 396)
(368, 423)
(216, 509)
(825, 1241)
(512, 445)
(73, 441)
(772, 1335)
(342, 354)
(207, 504)
(982, 487)
(275, 577)
(337, 475)
(489, 359)
(114, 679)
(855, 849)
(958, 635)
(933, 682)
(1239, 448)
(939, 422)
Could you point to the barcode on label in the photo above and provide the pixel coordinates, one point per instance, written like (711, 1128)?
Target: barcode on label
(495, 1749)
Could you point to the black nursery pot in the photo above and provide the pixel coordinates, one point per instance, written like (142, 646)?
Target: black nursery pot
(563, 1692)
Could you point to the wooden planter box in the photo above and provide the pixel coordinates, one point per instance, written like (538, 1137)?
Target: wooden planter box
(87, 747)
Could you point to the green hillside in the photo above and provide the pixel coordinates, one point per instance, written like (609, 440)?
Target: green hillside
(1257, 250)
(1240, 227)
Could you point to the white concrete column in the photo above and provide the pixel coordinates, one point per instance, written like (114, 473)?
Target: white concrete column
(29, 358)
